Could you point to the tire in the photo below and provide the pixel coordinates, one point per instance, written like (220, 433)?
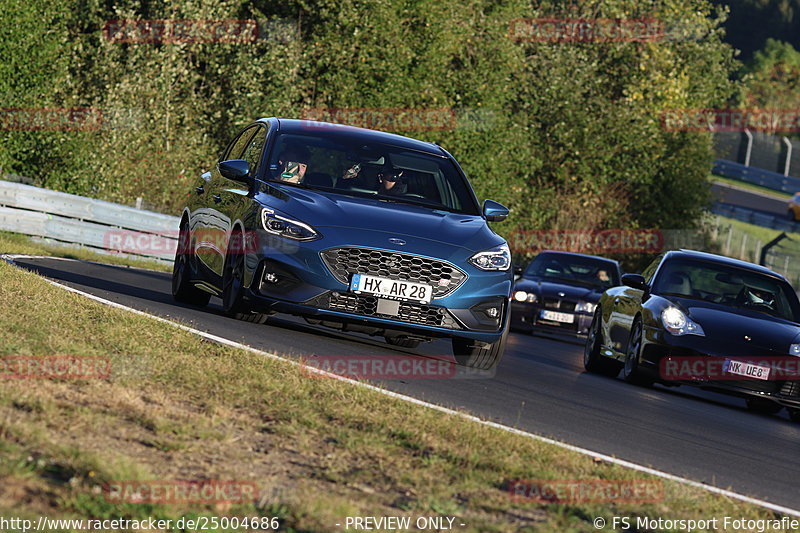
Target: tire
(402, 342)
(763, 406)
(469, 355)
(233, 283)
(593, 362)
(631, 372)
(794, 414)
(182, 289)
(790, 215)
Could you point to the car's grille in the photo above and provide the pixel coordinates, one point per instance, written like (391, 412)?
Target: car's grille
(361, 304)
(559, 305)
(442, 276)
(791, 388)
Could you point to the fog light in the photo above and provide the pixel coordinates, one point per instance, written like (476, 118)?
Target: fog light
(271, 277)
(493, 312)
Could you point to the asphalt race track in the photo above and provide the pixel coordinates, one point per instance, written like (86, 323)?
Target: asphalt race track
(539, 387)
(771, 205)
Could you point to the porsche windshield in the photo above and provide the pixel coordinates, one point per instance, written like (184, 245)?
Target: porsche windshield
(730, 286)
(355, 167)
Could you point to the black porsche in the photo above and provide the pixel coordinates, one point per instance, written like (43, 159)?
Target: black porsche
(705, 320)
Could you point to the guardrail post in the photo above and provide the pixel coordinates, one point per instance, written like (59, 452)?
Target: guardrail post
(749, 147)
(788, 155)
(763, 259)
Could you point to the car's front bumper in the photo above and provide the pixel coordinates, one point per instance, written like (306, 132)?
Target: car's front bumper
(527, 316)
(300, 283)
(667, 357)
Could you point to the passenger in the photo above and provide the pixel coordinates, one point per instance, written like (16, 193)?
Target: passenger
(293, 164)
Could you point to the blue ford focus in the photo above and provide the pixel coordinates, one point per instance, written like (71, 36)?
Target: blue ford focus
(350, 228)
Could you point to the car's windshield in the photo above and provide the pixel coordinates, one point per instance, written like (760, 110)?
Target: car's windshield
(573, 269)
(727, 285)
(356, 167)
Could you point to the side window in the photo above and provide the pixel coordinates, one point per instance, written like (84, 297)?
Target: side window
(651, 268)
(252, 154)
(239, 145)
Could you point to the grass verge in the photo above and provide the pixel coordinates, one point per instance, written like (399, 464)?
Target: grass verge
(176, 407)
(750, 187)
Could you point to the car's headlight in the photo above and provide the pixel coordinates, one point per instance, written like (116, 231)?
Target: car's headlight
(522, 296)
(585, 307)
(498, 258)
(287, 227)
(677, 323)
(794, 349)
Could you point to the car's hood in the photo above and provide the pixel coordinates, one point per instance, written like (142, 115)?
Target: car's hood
(726, 324)
(555, 289)
(321, 209)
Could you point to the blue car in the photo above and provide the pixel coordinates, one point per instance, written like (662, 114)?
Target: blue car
(350, 228)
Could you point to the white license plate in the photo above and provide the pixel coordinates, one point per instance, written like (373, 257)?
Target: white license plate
(566, 318)
(746, 369)
(393, 289)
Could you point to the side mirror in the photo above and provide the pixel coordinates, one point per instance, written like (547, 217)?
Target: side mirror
(635, 281)
(493, 211)
(236, 170)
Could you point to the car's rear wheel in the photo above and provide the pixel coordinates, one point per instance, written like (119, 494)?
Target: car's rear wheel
(182, 288)
(790, 215)
(631, 371)
(763, 406)
(592, 360)
(233, 283)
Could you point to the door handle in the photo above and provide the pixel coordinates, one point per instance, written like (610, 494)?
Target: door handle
(199, 190)
(217, 198)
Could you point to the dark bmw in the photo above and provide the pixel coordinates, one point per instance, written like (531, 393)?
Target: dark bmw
(349, 228)
(706, 320)
(558, 292)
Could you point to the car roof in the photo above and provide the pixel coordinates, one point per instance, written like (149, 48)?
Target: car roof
(562, 252)
(290, 125)
(705, 256)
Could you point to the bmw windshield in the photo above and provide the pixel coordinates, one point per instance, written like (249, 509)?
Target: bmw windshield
(355, 167)
(573, 270)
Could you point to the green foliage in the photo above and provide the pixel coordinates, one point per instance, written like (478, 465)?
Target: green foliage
(567, 134)
(772, 78)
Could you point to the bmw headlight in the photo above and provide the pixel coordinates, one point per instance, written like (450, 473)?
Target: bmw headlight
(498, 258)
(676, 322)
(585, 307)
(794, 349)
(287, 227)
(522, 296)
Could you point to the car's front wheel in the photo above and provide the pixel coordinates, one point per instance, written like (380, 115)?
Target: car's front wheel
(631, 371)
(592, 360)
(469, 354)
(763, 406)
(233, 283)
(182, 288)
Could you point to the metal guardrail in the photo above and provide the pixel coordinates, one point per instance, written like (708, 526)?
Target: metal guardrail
(756, 176)
(755, 217)
(99, 225)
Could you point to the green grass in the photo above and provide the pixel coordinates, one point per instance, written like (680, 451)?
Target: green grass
(750, 187)
(14, 243)
(177, 407)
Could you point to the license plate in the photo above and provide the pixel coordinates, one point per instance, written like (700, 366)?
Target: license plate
(566, 318)
(746, 369)
(393, 289)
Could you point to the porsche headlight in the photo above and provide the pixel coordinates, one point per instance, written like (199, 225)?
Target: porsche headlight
(287, 227)
(522, 296)
(676, 322)
(498, 258)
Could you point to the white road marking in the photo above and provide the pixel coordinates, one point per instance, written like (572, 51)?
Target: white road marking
(309, 368)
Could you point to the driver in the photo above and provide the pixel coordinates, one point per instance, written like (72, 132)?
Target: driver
(391, 181)
(756, 296)
(293, 164)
